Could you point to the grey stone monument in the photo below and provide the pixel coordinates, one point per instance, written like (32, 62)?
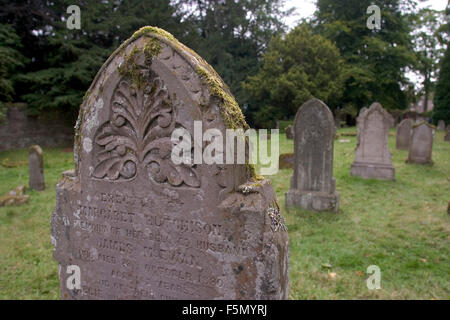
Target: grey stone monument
(441, 125)
(403, 134)
(421, 143)
(36, 167)
(313, 185)
(132, 224)
(290, 132)
(447, 136)
(372, 156)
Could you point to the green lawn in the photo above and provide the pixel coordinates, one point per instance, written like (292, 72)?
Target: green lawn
(400, 226)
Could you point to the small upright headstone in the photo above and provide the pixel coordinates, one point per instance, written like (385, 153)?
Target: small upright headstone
(447, 136)
(313, 184)
(421, 143)
(131, 223)
(403, 134)
(372, 156)
(36, 167)
(290, 132)
(441, 125)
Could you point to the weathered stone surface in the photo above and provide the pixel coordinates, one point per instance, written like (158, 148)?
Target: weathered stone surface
(373, 159)
(447, 136)
(15, 197)
(441, 125)
(36, 167)
(313, 184)
(290, 132)
(403, 134)
(421, 143)
(137, 225)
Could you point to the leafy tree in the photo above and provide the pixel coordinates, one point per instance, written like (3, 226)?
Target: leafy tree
(442, 95)
(11, 60)
(376, 60)
(427, 48)
(295, 68)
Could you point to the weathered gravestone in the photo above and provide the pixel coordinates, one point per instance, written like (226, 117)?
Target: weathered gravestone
(313, 185)
(372, 156)
(290, 132)
(139, 226)
(421, 143)
(447, 136)
(441, 125)
(36, 167)
(403, 134)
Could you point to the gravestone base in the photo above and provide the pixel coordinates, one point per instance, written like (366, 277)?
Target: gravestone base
(373, 171)
(312, 201)
(419, 161)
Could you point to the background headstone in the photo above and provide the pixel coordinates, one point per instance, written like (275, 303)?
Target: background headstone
(290, 132)
(421, 143)
(286, 161)
(313, 184)
(140, 227)
(403, 134)
(447, 136)
(36, 167)
(372, 156)
(441, 125)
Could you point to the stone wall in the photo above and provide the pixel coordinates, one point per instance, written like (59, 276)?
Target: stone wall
(22, 131)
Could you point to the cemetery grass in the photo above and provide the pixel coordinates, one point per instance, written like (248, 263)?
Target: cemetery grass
(400, 226)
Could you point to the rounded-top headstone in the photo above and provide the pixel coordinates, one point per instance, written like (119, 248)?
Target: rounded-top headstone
(421, 143)
(135, 225)
(403, 134)
(372, 156)
(36, 167)
(313, 184)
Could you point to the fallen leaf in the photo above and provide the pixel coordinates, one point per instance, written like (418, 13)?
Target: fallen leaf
(360, 273)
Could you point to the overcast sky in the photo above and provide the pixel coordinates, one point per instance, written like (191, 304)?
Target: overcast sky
(306, 8)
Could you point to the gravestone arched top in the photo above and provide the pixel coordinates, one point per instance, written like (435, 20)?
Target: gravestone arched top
(314, 108)
(151, 85)
(423, 122)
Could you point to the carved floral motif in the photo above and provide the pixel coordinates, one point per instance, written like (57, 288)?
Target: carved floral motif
(137, 137)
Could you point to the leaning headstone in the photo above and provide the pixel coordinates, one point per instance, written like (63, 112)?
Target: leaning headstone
(36, 167)
(441, 125)
(421, 143)
(447, 136)
(403, 134)
(131, 224)
(372, 156)
(290, 132)
(313, 184)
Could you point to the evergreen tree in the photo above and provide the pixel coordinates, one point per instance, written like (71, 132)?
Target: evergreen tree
(11, 60)
(442, 95)
(73, 57)
(233, 35)
(376, 60)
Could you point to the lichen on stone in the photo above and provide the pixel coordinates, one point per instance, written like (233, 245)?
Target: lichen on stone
(229, 109)
(152, 48)
(149, 29)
